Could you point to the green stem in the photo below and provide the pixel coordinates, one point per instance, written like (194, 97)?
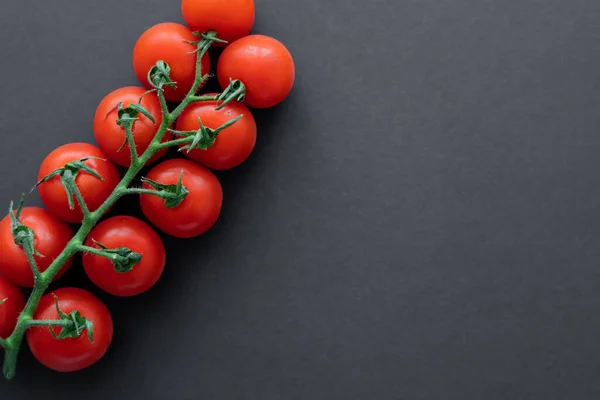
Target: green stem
(82, 204)
(163, 103)
(199, 80)
(145, 191)
(12, 344)
(62, 323)
(195, 99)
(176, 142)
(131, 142)
(34, 268)
(94, 251)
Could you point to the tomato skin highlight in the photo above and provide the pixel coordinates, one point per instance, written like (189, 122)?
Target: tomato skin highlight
(198, 212)
(14, 303)
(233, 145)
(263, 64)
(110, 136)
(51, 235)
(231, 19)
(136, 235)
(167, 41)
(94, 191)
(69, 355)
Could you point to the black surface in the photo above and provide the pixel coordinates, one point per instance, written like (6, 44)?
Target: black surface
(420, 219)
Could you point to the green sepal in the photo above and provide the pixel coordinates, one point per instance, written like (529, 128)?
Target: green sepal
(159, 76)
(236, 90)
(204, 137)
(76, 327)
(123, 259)
(210, 36)
(206, 39)
(173, 195)
(22, 235)
(126, 117)
(67, 175)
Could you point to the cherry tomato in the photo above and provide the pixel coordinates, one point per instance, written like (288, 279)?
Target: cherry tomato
(231, 19)
(12, 303)
(69, 355)
(137, 236)
(50, 234)
(200, 209)
(94, 190)
(263, 64)
(168, 42)
(111, 137)
(233, 145)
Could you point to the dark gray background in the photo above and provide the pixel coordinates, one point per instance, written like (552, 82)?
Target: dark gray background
(420, 219)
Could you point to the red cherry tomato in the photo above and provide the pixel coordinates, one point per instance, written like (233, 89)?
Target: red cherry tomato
(137, 236)
(263, 64)
(94, 190)
(200, 209)
(231, 19)
(233, 145)
(51, 235)
(12, 303)
(168, 42)
(110, 136)
(69, 355)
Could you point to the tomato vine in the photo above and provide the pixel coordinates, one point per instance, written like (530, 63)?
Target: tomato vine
(46, 319)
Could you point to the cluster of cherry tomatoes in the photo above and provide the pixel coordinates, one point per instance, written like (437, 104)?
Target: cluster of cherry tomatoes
(265, 67)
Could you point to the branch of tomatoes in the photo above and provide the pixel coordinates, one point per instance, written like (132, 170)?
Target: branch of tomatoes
(78, 183)
(123, 259)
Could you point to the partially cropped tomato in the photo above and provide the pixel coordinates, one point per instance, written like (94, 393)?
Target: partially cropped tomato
(169, 42)
(51, 235)
(12, 303)
(231, 19)
(137, 236)
(263, 64)
(111, 137)
(233, 145)
(71, 354)
(199, 210)
(94, 190)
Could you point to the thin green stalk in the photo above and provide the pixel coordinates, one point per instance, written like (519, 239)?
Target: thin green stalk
(199, 80)
(175, 142)
(163, 103)
(143, 191)
(34, 268)
(94, 251)
(131, 142)
(195, 99)
(61, 323)
(82, 204)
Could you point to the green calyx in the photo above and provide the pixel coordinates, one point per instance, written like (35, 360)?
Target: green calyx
(204, 137)
(75, 325)
(123, 259)
(126, 117)
(236, 90)
(206, 39)
(67, 175)
(173, 195)
(159, 76)
(22, 235)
